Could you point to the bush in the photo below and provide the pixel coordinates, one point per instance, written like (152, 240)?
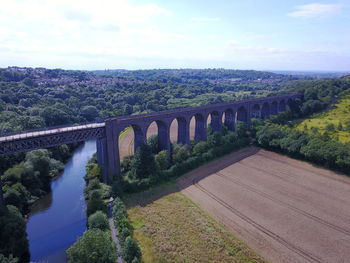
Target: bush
(96, 203)
(94, 246)
(131, 250)
(98, 220)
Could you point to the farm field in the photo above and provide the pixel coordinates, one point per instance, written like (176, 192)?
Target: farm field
(335, 121)
(286, 210)
(171, 228)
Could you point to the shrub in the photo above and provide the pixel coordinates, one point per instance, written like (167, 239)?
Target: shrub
(131, 250)
(94, 246)
(98, 220)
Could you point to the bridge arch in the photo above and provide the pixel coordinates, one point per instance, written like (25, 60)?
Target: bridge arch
(256, 111)
(242, 114)
(162, 130)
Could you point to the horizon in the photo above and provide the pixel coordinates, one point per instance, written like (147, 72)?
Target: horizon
(310, 36)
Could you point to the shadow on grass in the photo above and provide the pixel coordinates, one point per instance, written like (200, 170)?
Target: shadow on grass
(175, 185)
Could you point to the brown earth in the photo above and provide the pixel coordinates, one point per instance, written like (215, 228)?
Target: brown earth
(284, 209)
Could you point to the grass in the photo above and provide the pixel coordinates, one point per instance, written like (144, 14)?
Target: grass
(124, 132)
(339, 114)
(171, 228)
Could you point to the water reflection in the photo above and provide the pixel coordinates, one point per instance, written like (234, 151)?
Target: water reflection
(59, 218)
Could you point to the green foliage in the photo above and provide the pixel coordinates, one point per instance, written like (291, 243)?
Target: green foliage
(143, 164)
(9, 259)
(13, 236)
(200, 147)
(180, 153)
(317, 148)
(152, 142)
(162, 160)
(94, 246)
(98, 220)
(131, 250)
(96, 203)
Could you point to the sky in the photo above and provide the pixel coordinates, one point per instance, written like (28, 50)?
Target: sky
(144, 34)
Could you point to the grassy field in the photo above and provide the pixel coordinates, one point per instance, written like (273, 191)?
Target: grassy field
(335, 121)
(171, 228)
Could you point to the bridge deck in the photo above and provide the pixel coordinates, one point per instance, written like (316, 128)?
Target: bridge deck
(50, 132)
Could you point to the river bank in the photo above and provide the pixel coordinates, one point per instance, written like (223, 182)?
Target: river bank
(59, 218)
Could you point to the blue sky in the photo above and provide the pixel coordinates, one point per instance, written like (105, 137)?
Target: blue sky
(131, 34)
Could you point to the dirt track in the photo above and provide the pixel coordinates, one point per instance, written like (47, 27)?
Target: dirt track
(286, 210)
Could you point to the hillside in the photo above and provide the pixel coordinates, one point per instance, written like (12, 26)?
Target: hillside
(335, 122)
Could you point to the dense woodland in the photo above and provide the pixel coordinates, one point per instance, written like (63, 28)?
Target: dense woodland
(37, 98)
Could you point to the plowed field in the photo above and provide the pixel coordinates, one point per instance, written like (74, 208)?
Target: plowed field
(284, 209)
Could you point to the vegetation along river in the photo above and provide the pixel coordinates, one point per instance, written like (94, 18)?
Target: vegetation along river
(59, 218)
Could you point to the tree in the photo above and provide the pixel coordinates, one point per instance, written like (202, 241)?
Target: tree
(13, 236)
(215, 139)
(96, 203)
(200, 147)
(152, 142)
(94, 246)
(89, 112)
(143, 164)
(162, 160)
(98, 220)
(131, 250)
(9, 259)
(180, 153)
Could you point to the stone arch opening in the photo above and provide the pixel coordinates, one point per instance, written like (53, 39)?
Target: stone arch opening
(274, 108)
(242, 114)
(180, 130)
(256, 112)
(126, 142)
(265, 110)
(162, 131)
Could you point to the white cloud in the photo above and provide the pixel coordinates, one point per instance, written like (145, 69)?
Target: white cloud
(315, 10)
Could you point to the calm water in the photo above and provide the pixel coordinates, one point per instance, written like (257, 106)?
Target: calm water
(59, 218)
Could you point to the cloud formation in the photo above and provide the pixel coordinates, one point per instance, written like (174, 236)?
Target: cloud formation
(315, 10)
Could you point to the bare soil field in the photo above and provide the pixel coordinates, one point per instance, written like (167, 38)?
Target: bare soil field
(284, 209)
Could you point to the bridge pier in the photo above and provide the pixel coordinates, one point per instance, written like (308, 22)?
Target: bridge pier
(102, 157)
(140, 135)
(216, 122)
(229, 121)
(1, 194)
(164, 137)
(200, 129)
(183, 131)
(112, 143)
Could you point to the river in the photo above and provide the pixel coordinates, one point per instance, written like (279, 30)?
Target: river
(59, 218)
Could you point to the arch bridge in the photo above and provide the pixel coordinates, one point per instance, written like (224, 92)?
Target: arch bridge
(107, 132)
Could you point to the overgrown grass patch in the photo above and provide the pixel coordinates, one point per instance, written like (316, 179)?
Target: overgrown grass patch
(172, 228)
(339, 117)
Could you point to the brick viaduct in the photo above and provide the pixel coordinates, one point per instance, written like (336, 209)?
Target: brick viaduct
(107, 133)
